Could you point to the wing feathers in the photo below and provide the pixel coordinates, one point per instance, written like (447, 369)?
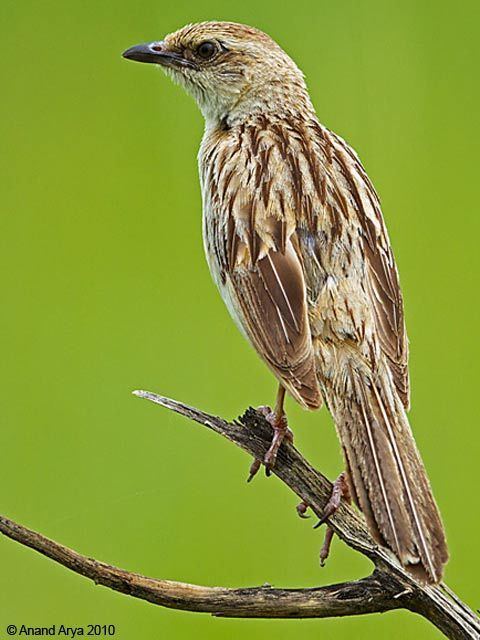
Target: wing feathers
(270, 299)
(381, 275)
(284, 305)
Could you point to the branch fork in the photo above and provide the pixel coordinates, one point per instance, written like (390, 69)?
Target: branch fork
(389, 587)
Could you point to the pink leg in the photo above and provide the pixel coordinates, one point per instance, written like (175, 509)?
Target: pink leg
(279, 424)
(339, 490)
(325, 550)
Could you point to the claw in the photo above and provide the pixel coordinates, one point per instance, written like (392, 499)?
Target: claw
(280, 432)
(339, 491)
(325, 550)
(265, 410)
(255, 466)
(302, 510)
(278, 421)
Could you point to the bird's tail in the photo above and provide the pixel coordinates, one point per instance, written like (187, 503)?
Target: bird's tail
(386, 474)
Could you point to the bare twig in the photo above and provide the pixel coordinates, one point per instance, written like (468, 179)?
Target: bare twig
(258, 602)
(389, 587)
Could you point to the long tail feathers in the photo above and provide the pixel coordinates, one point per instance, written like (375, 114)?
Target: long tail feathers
(387, 476)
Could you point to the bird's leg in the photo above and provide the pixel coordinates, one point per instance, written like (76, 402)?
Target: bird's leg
(340, 490)
(278, 421)
(325, 549)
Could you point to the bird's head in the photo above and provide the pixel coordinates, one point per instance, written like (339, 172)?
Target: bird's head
(233, 71)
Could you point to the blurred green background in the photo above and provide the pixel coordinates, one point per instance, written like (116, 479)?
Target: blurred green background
(105, 289)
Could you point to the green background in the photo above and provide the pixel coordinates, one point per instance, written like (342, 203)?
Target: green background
(105, 289)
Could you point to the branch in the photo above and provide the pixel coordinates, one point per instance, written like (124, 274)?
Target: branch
(389, 587)
(258, 602)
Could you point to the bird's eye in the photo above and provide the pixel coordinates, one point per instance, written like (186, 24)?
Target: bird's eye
(206, 49)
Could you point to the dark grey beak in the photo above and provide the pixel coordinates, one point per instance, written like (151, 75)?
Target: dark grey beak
(150, 52)
(156, 53)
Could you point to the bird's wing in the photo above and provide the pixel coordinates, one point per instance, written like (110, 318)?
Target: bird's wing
(381, 275)
(268, 295)
(364, 348)
(251, 236)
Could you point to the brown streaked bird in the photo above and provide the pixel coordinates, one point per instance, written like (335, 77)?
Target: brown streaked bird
(297, 245)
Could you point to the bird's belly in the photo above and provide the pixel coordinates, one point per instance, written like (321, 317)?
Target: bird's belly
(219, 274)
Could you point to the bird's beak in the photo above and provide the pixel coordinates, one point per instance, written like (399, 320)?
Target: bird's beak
(155, 53)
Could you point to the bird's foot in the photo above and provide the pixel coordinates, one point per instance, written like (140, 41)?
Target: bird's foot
(329, 533)
(302, 508)
(281, 432)
(340, 490)
(325, 548)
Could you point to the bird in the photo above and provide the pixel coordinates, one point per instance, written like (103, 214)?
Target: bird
(297, 245)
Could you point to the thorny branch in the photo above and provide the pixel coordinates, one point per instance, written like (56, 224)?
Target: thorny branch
(388, 587)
